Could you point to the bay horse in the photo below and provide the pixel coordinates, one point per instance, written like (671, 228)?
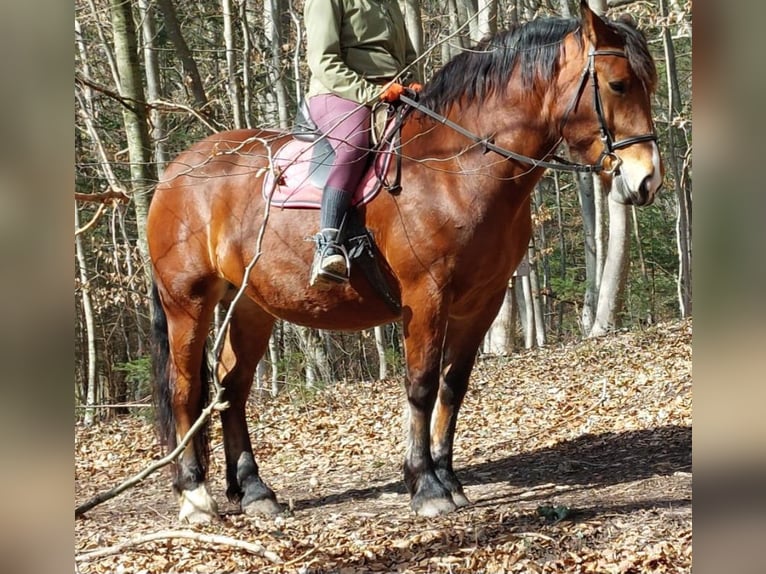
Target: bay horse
(486, 128)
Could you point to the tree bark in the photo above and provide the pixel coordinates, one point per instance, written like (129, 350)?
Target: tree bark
(90, 327)
(192, 78)
(234, 88)
(683, 221)
(380, 347)
(153, 82)
(610, 293)
(139, 147)
(413, 21)
(272, 12)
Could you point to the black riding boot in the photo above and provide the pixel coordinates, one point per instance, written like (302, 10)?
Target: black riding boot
(331, 259)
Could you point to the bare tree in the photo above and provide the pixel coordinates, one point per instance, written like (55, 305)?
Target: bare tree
(234, 87)
(134, 116)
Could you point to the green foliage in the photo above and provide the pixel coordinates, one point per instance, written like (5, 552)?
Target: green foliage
(138, 376)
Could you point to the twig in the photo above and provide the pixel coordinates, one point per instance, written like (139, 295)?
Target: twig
(216, 405)
(93, 220)
(252, 547)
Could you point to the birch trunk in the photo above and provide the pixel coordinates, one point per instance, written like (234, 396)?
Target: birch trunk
(234, 90)
(90, 327)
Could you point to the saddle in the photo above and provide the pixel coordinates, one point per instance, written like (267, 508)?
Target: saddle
(300, 169)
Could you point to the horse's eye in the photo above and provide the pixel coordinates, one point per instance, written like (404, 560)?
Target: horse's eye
(617, 87)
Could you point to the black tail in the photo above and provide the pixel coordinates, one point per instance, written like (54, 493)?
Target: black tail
(163, 385)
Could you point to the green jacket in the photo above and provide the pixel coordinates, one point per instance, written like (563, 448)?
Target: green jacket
(353, 45)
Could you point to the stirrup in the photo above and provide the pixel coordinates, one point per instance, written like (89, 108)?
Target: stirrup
(329, 267)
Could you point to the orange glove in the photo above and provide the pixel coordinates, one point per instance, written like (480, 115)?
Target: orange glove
(415, 87)
(392, 93)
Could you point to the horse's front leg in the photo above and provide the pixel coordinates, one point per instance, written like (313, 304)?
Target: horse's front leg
(461, 344)
(422, 341)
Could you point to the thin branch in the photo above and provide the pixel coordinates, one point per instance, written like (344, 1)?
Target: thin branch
(93, 220)
(103, 197)
(217, 405)
(252, 547)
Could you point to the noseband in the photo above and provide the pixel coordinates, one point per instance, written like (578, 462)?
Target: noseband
(558, 163)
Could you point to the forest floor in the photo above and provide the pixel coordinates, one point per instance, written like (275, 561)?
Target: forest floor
(576, 458)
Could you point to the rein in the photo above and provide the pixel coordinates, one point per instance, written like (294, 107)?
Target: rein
(558, 163)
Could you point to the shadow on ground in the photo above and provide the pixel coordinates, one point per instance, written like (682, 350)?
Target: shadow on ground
(597, 460)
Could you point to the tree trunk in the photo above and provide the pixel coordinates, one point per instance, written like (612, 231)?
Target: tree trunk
(499, 340)
(380, 347)
(153, 83)
(90, 327)
(412, 19)
(192, 78)
(683, 221)
(272, 12)
(487, 14)
(588, 205)
(537, 306)
(139, 147)
(610, 294)
(234, 89)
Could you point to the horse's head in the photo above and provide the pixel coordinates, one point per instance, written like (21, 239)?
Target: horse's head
(609, 121)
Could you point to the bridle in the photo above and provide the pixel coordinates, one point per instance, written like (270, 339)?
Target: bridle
(557, 162)
(606, 135)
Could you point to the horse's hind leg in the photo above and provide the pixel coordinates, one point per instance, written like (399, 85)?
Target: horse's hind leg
(188, 320)
(247, 339)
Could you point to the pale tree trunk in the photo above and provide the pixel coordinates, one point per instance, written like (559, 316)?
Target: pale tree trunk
(274, 359)
(153, 82)
(272, 11)
(317, 362)
(610, 293)
(131, 88)
(467, 13)
(641, 261)
(537, 306)
(455, 44)
(487, 14)
(90, 327)
(684, 219)
(380, 347)
(234, 90)
(526, 307)
(611, 281)
(588, 206)
(412, 19)
(87, 113)
(192, 79)
(247, 46)
(297, 20)
(499, 339)
(562, 251)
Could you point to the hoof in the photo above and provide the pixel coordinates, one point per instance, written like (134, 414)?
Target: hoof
(433, 506)
(460, 499)
(263, 507)
(197, 506)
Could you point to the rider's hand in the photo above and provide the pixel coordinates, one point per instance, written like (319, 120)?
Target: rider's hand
(392, 93)
(415, 87)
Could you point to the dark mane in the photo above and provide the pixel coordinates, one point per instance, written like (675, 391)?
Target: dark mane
(534, 46)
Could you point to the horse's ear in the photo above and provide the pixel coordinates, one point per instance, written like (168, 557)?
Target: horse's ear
(593, 27)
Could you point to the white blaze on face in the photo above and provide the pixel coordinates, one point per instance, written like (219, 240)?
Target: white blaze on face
(637, 168)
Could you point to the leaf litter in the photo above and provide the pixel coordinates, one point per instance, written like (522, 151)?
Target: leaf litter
(597, 434)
